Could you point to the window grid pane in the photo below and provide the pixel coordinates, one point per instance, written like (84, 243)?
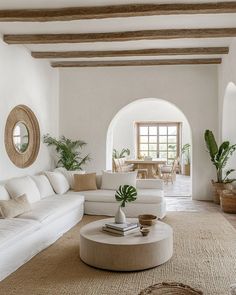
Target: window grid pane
(159, 140)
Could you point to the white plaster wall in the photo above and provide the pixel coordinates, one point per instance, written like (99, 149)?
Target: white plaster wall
(226, 75)
(124, 135)
(24, 80)
(91, 97)
(227, 100)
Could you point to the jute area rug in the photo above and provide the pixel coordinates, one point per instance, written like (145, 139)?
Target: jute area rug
(204, 258)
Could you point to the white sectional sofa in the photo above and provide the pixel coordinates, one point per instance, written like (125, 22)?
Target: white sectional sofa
(53, 214)
(150, 200)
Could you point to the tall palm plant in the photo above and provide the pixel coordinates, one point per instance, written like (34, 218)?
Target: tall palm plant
(186, 152)
(68, 152)
(220, 156)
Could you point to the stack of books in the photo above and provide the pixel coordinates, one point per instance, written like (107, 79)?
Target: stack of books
(120, 229)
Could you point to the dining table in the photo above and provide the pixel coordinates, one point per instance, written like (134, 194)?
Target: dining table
(152, 166)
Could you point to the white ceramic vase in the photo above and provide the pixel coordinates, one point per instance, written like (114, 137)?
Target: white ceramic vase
(120, 216)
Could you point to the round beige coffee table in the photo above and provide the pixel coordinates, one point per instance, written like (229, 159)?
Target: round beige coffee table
(125, 253)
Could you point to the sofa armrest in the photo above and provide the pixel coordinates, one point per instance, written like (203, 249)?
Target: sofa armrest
(150, 183)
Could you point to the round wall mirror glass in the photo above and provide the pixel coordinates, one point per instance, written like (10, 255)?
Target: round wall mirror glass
(20, 137)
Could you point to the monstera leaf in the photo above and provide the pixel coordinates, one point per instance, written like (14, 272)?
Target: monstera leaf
(126, 193)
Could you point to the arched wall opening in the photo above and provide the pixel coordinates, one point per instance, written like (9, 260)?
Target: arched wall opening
(122, 133)
(229, 121)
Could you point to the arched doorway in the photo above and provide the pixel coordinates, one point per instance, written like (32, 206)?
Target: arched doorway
(122, 131)
(229, 120)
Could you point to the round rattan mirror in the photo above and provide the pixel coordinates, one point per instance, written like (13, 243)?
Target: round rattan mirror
(22, 136)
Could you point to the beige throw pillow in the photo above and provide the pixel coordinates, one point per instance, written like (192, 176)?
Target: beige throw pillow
(85, 182)
(14, 207)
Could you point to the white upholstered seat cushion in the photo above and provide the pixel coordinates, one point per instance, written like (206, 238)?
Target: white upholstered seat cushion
(23, 185)
(48, 209)
(145, 196)
(14, 229)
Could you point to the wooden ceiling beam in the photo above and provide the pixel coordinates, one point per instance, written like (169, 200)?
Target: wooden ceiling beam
(120, 63)
(100, 12)
(138, 52)
(119, 36)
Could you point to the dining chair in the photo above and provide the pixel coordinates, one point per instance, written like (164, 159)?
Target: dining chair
(121, 166)
(168, 172)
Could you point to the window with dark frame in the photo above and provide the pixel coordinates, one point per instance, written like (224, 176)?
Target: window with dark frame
(158, 140)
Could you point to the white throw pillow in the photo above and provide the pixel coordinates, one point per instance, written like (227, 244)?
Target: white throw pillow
(15, 207)
(43, 185)
(112, 180)
(58, 182)
(4, 195)
(23, 185)
(69, 175)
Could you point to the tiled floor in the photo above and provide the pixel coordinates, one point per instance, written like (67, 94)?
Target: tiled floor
(182, 187)
(189, 205)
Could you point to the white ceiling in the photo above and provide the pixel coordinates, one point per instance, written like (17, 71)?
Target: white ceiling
(116, 25)
(123, 24)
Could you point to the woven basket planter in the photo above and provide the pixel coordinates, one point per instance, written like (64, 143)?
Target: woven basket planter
(228, 201)
(217, 190)
(170, 289)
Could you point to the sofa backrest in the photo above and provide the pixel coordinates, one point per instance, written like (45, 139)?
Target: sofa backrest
(150, 183)
(140, 183)
(99, 181)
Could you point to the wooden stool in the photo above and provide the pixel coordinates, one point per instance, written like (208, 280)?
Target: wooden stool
(142, 172)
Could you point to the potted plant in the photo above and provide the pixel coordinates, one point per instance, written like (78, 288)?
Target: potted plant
(68, 152)
(186, 155)
(122, 154)
(125, 194)
(219, 156)
(228, 201)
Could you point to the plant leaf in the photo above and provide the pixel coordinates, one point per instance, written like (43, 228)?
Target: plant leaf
(126, 193)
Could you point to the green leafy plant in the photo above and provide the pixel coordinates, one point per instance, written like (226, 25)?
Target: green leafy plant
(68, 152)
(122, 154)
(126, 193)
(186, 152)
(220, 156)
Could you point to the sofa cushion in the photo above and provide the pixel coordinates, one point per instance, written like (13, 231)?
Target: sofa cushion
(145, 196)
(69, 175)
(23, 185)
(14, 229)
(43, 186)
(149, 184)
(48, 209)
(85, 182)
(14, 207)
(58, 182)
(4, 195)
(112, 181)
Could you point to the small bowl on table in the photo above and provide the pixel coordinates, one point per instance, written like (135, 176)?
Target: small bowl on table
(147, 219)
(144, 231)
